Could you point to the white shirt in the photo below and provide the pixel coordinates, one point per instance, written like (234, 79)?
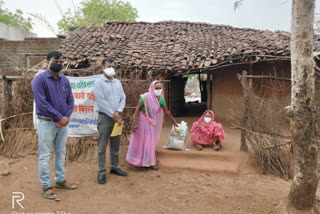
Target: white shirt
(109, 95)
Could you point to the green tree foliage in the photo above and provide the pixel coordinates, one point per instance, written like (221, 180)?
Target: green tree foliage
(15, 19)
(97, 12)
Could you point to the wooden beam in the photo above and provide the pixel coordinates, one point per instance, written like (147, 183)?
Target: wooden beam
(268, 77)
(271, 77)
(13, 78)
(34, 54)
(227, 64)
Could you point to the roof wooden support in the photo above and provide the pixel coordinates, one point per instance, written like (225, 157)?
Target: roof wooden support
(224, 65)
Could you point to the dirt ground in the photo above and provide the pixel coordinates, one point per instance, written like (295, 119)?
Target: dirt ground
(146, 191)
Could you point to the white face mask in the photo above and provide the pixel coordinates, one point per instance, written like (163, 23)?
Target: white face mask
(109, 72)
(207, 119)
(158, 92)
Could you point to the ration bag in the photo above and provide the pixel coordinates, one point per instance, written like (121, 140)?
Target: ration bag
(178, 137)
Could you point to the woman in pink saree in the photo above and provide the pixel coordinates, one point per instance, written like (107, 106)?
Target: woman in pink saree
(147, 124)
(206, 132)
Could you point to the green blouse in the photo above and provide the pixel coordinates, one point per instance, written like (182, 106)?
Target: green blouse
(162, 103)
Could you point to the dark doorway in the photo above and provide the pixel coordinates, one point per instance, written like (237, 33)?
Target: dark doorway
(188, 95)
(195, 95)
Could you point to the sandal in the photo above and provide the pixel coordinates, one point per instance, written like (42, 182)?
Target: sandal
(66, 185)
(49, 195)
(217, 146)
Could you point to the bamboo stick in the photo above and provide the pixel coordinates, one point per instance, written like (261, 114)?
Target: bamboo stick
(12, 78)
(15, 116)
(282, 144)
(2, 138)
(244, 83)
(270, 77)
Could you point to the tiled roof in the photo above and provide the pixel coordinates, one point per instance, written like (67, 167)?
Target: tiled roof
(170, 46)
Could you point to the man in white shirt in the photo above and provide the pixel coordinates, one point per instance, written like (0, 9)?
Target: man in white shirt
(110, 100)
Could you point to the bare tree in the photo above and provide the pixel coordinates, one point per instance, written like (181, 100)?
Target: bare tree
(44, 21)
(237, 4)
(302, 110)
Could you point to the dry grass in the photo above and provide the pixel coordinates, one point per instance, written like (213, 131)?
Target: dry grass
(19, 134)
(21, 138)
(133, 89)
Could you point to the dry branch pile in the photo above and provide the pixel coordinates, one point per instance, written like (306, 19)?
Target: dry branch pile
(267, 130)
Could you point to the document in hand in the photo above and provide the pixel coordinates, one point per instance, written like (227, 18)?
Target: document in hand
(117, 130)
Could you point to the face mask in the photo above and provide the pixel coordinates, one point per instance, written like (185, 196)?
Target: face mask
(109, 72)
(55, 67)
(158, 92)
(207, 119)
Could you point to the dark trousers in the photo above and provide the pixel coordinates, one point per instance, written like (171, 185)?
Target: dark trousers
(105, 126)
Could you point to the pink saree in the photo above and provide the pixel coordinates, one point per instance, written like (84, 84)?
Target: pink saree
(204, 135)
(143, 142)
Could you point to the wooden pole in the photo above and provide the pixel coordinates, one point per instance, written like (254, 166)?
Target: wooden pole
(244, 83)
(211, 89)
(1, 133)
(208, 90)
(250, 73)
(7, 99)
(28, 62)
(167, 93)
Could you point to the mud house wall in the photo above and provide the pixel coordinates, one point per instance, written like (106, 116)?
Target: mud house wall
(12, 52)
(268, 88)
(227, 92)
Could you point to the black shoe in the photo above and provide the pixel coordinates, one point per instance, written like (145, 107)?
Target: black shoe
(117, 171)
(102, 179)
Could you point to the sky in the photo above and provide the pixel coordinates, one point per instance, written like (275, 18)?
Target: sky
(259, 14)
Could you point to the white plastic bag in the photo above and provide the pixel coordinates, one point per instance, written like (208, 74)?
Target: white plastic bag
(178, 137)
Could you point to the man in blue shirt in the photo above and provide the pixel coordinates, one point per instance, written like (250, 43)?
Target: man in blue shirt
(110, 100)
(54, 105)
